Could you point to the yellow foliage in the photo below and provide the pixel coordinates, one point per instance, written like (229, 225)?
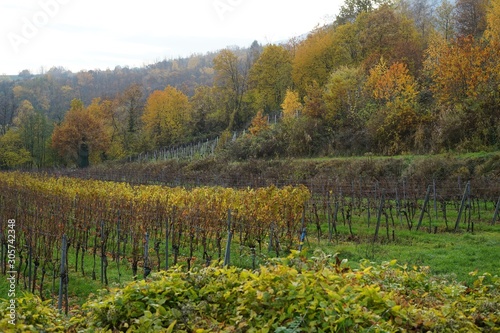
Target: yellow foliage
(459, 69)
(167, 116)
(12, 154)
(493, 19)
(291, 104)
(80, 126)
(389, 83)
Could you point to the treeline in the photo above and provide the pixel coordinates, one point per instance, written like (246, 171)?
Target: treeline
(383, 78)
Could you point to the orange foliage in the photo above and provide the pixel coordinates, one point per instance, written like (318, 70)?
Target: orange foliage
(459, 70)
(80, 126)
(259, 123)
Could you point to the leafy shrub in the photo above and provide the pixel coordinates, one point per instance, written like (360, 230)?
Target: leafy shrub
(287, 295)
(31, 315)
(297, 295)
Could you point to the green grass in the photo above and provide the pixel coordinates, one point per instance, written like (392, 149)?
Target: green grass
(446, 254)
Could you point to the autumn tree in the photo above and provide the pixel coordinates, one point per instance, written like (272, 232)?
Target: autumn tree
(167, 117)
(259, 123)
(343, 97)
(271, 76)
(80, 137)
(396, 119)
(12, 152)
(445, 20)
(492, 32)
(314, 59)
(345, 109)
(422, 14)
(458, 70)
(291, 105)
(124, 118)
(209, 117)
(231, 80)
(350, 10)
(314, 104)
(34, 130)
(471, 17)
(8, 106)
(464, 80)
(386, 33)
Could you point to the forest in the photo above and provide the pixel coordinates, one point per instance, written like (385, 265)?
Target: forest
(384, 77)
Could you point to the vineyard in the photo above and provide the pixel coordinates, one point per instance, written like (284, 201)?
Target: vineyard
(104, 220)
(66, 225)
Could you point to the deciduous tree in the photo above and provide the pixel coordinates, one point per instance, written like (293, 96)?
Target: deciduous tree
(230, 78)
(271, 76)
(81, 136)
(34, 130)
(386, 33)
(471, 17)
(314, 59)
(314, 104)
(445, 20)
(167, 116)
(291, 105)
(12, 152)
(343, 98)
(396, 120)
(493, 20)
(259, 123)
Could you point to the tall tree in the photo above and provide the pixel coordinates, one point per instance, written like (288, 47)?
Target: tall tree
(471, 17)
(396, 120)
(34, 130)
(230, 78)
(126, 117)
(167, 117)
(314, 59)
(208, 116)
(314, 103)
(346, 113)
(445, 20)
(422, 14)
(81, 136)
(12, 152)
(8, 106)
(465, 82)
(350, 10)
(271, 76)
(493, 20)
(386, 33)
(291, 104)
(343, 98)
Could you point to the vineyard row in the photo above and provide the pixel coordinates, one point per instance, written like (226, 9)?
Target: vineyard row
(102, 220)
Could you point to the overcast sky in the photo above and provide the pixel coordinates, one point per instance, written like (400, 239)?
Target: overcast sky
(101, 34)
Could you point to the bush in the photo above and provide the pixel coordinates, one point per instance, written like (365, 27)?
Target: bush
(298, 295)
(32, 315)
(286, 295)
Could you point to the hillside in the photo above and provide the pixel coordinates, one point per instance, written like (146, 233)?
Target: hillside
(450, 172)
(383, 78)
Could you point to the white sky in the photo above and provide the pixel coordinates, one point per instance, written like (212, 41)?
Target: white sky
(92, 34)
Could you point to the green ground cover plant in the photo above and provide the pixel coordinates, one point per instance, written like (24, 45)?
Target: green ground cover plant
(294, 294)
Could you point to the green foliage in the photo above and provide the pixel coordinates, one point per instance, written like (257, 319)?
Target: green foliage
(32, 315)
(287, 295)
(293, 137)
(271, 76)
(12, 153)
